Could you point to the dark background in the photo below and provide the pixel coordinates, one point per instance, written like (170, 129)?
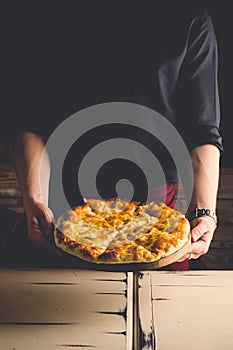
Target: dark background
(222, 16)
(15, 17)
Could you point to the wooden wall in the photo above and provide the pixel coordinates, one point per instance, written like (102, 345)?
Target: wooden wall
(220, 255)
(10, 196)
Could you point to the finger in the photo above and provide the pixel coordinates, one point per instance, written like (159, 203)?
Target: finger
(51, 241)
(198, 231)
(188, 256)
(50, 218)
(45, 222)
(50, 214)
(200, 248)
(35, 235)
(35, 232)
(39, 239)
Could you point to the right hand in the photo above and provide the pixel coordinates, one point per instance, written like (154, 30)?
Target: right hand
(40, 225)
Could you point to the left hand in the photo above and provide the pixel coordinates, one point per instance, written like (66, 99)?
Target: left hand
(202, 231)
(40, 225)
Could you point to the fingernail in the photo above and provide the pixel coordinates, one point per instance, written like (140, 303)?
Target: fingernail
(195, 237)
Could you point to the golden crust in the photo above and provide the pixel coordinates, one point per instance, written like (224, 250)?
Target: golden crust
(83, 251)
(118, 231)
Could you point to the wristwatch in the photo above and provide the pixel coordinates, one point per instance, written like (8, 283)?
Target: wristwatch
(196, 213)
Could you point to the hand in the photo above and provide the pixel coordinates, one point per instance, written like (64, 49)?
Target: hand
(202, 231)
(40, 225)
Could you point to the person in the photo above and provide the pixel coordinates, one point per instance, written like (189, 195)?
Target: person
(163, 57)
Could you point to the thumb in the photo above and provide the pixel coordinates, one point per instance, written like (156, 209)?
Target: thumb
(198, 231)
(45, 221)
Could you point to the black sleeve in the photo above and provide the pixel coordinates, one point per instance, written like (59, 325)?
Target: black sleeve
(198, 97)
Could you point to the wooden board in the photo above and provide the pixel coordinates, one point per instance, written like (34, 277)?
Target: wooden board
(60, 309)
(192, 310)
(218, 259)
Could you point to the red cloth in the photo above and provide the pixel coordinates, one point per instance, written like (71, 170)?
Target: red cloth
(166, 194)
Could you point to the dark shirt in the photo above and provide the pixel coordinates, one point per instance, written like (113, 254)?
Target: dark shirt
(160, 56)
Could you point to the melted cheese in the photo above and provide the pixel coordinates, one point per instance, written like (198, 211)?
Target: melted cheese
(92, 236)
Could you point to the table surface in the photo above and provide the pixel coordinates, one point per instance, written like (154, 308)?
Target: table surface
(193, 310)
(70, 308)
(62, 309)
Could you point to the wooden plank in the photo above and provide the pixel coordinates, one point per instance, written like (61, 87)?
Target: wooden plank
(51, 309)
(145, 313)
(130, 312)
(9, 183)
(225, 190)
(15, 207)
(12, 203)
(7, 171)
(218, 259)
(223, 237)
(10, 195)
(226, 171)
(195, 279)
(193, 310)
(225, 211)
(220, 254)
(9, 188)
(11, 200)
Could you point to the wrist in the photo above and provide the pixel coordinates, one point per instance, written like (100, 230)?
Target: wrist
(201, 212)
(30, 200)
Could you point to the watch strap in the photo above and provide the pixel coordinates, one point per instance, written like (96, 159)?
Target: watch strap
(196, 213)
